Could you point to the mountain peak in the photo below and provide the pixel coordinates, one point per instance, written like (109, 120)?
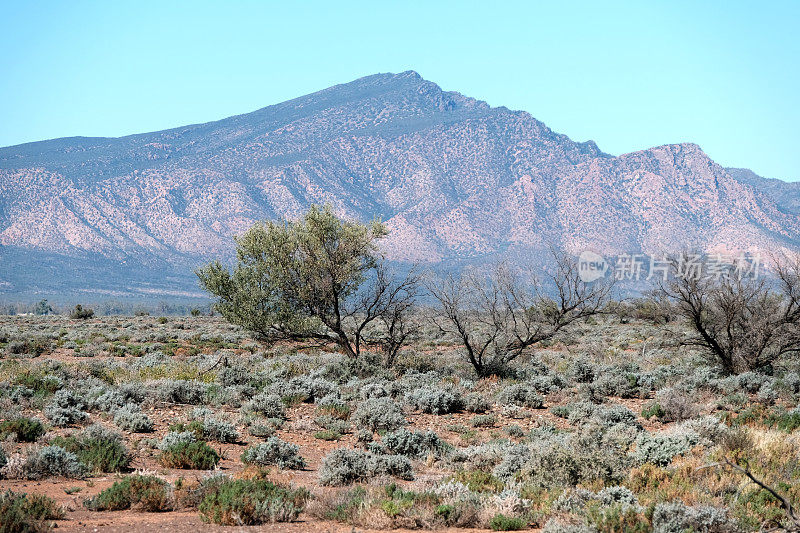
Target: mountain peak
(455, 180)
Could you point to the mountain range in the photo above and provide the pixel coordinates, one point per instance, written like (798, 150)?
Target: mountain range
(456, 180)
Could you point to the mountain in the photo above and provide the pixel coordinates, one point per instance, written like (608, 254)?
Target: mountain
(455, 179)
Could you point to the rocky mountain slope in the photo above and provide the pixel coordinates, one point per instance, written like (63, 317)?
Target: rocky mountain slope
(455, 179)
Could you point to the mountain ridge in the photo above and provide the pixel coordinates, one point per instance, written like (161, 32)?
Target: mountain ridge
(455, 179)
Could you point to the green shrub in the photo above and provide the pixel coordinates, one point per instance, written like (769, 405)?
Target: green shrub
(192, 455)
(26, 429)
(23, 513)
(783, 420)
(501, 522)
(328, 435)
(479, 481)
(98, 448)
(251, 502)
(145, 493)
(653, 409)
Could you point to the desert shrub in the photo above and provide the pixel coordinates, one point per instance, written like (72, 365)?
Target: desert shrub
(546, 384)
(476, 403)
(46, 462)
(261, 430)
(25, 429)
(343, 467)
(176, 437)
(266, 404)
(3, 461)
(219, 431)
(653, 409)
(784, 420)
(303, 388)
(179, 391)
(676, 517)
(251, 502)
(375, 390)
(660, 448)
(378, 413)
(501, 522)
(581, 371)
(98, 448)
(274, 451)
(479, 481)
(107, 400)
(616, 494)
(205, 426)
(618, 518)
(143, 493)
(676, 405)
(616, 414)
(483, 421)
(195, 455)
(131, 418)
(589, 454)
(522, 395)
(81, 313)
(65, 409)
(334, 406)
(413, 443)
(33, 346)
(333, 424)
(27, 513)
(618, 380)
(579, 412)
(434, 400)
(555, 525)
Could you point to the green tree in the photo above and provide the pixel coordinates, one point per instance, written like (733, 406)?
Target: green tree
(319, 278)
(42, 308)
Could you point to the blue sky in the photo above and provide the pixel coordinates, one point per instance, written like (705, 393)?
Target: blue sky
(629, 75)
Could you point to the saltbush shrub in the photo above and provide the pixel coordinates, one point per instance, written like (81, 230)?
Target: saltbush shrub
(274, 451)
(676, 517)
(476, 403)
(522, 395)
(266, 404)
(46, 462)
(660, 448)
(435, 400)
(131, 418)
(412, 443)
(65, 409)
(344, 467)
(378, 413)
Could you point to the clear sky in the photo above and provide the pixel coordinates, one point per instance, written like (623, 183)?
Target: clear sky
(629, 75)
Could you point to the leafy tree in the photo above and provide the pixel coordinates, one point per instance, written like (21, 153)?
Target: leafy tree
(42, 308)
(320, 278)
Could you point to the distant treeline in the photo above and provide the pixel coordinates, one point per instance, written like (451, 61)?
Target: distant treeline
(106, 308)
